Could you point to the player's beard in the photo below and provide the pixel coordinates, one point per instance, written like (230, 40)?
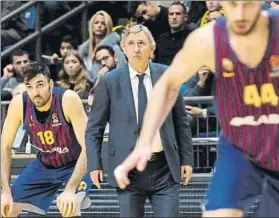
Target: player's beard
(252, 27)
(43, 102)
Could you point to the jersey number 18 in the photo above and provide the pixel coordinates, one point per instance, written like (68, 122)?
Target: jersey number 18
(46, 137)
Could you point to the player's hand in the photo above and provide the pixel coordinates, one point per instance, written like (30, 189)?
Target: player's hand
(67, 203)
(6, 204)
(97, 176)
(138, 158)
(186, 173)
(8, 71)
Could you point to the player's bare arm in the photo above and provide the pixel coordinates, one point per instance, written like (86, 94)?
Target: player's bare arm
(196, 52)
(11, 124)
(75, 114)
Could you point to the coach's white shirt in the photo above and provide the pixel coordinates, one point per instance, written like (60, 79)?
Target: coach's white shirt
(157, 142)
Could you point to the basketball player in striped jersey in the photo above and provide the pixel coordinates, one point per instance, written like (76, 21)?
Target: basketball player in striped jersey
(56, 122)
(243, 50)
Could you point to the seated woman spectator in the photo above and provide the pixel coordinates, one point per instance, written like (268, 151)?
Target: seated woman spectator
(54, 62)
(74, 75)
(100, 33)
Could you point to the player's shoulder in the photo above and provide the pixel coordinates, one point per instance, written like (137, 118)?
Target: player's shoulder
(16, 106)
(70, 95)
(71, 102)
(17, 100)
(203, 34)
(201, 40)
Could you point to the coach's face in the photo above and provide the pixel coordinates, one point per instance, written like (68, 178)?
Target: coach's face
(242, 16)
(138, 48)
(39, 90)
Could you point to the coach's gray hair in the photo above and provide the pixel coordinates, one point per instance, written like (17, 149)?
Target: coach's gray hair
(138, 28)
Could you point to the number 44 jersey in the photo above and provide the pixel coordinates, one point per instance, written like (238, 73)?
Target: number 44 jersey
(54, 138)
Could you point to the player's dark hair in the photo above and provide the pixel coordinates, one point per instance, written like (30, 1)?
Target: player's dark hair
(33, 69)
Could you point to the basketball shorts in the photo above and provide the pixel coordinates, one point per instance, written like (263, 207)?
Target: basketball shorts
(37, 186)
(237, 184)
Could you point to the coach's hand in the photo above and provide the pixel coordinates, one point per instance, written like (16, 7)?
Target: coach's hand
(97, 176)
(186, 174)
(6, 204)
(67, 203)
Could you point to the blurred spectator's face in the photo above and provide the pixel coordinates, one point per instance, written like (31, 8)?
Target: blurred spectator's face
(65, 47)
(99, 26)
(72, 66)
(147, 12)
(104, 59)
(176, 17)
(138, 48)
(212, 5)
(214, 15)
(20, 62)
(242, 16)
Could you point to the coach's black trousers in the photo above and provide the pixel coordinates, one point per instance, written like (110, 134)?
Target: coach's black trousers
(155, 183)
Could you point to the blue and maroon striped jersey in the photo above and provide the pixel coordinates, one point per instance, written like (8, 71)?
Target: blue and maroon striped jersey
(247, 99)
(55, 138)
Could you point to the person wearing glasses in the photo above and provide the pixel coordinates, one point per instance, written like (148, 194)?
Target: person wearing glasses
(120, 99)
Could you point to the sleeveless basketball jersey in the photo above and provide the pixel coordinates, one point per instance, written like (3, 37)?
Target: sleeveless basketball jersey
(247, 99)
(55, 138)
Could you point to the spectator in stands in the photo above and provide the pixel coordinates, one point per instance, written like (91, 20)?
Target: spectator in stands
(100, 33)
(13, 73)
(120, 99)
(107, 60)
(13, 29)
(74, 75)
(202, 84)
(132, 21)
(171, 42)
(68, 43)
(51, 10)
(155, 16)
(196, 12)
(214, 15)
(274, 4)
(212, 7)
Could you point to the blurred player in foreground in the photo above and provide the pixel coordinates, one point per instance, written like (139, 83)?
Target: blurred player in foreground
(243, 51)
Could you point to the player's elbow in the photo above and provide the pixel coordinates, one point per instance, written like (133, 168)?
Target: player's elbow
(170, 82)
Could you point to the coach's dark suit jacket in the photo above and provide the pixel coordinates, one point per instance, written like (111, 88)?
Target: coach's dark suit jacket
(114, 103)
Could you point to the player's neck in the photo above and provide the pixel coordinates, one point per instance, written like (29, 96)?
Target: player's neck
(46, 107)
